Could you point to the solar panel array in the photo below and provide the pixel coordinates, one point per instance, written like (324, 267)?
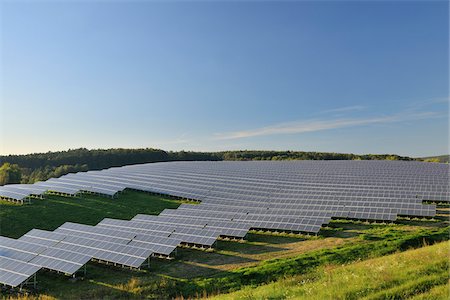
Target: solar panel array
(235, 197)
(47, 256)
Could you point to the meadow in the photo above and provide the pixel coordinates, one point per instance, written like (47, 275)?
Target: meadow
(263, 258)
(417, 274)
(53, 211)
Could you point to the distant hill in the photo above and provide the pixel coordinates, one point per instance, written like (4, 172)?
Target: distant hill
(30, 168)
(440, 159)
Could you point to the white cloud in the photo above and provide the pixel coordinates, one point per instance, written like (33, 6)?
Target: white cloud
(344, 109)
(324, 124)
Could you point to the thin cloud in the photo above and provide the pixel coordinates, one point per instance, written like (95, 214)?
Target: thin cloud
(420, 105)
(319, 125)
(344, 109)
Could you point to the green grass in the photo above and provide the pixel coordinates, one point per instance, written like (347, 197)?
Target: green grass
(259, 260)
(420, 273)
(440, 158)
(308, 262)
(53, 211)
(195, 273)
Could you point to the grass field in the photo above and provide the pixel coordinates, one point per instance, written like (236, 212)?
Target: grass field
(413, 273)
(53, 211)
(261, 259)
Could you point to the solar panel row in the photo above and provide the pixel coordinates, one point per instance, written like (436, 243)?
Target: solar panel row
(235, 197)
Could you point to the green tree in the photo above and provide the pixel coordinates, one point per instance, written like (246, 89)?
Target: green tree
(10, 173)
(434, 160)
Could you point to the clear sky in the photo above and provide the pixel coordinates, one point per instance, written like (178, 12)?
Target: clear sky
(337, 76)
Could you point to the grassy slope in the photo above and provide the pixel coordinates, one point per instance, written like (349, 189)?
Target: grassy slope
(440, 158)
(15, 220)
(260, 259)
(397, 276)
(194, 272)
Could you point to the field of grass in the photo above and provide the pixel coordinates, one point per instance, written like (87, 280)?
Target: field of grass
(413, 273)
(440, 158)
(53, 211)
(261, 259)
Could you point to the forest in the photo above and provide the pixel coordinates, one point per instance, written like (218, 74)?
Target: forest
(30, 168)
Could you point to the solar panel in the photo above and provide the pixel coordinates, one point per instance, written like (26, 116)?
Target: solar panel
(13, 195)
(86, 245)
(188, 235)
(16, 254)
(44, 256)
(235, 196)
(14, 272)
(60, 260)
(226, 228)
(94, 232)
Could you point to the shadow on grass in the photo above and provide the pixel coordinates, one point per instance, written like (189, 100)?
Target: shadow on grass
(338, 233)
(100, 281)
(275, 239)
(189, 265)
(247, 248)
(357, 225)
(437, 223)
(214, 258)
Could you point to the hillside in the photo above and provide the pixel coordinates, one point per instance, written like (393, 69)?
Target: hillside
(440, 158)
(260, 259)
(30, 168)
(414, 274)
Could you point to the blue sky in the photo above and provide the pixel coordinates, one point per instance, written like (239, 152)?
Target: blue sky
(337, 76)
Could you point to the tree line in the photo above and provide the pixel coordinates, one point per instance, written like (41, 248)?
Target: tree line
(30, 168)
(302, 155)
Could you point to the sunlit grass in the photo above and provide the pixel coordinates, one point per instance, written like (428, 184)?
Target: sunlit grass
(263, 258)
(397, 276)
